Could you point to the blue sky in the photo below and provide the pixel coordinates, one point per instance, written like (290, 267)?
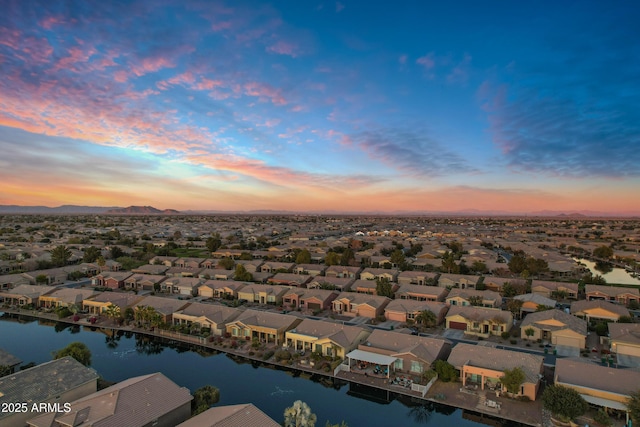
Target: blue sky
(348, 106)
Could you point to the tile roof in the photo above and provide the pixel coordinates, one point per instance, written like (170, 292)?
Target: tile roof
(243, 415)
(479, 314)
(611, 291)
(582, 306)
(537, 299)
(496, 359)
(344, 335)
(570, 322)
(594, 376)
(427, 349)
(625, 332)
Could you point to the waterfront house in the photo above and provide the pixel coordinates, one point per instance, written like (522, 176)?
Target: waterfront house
(340, 284)
(227, 289)
(99, 304)
(326, 338)
(421, 293)
(482, 367)
(479, 321)
(342, 271)
(461, 281)
(213, 317)
(353, 304)
(243, 415)
(625, 343)
(148, 400)
(598, 310)
(24, 295)
(9, 281)
(474, 297)
(404, 310)
(417, 278)
(262, 325)
(165, 307)
(557, 327)
(309, 299)
(65, 297)
(559, 290)
(144, 282)
(614, 294)
(263, 294)
(58, 381)
(413, 354)
(604, 387)
(110, 279)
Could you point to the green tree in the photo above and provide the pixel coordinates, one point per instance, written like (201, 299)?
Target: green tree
(475, 300)
(42, 279)
(513, 379)
(347, 257)
(77, 350)
(398, 258)
(342, 424)
(242, 274)
(204, 398)
(226, 263)
(529, 332)
(449, 263)
(91, 254)
(514, 306)
(214, 242)
(299, 415)
(383, 287)
(4, 370)
(604, 252)
(564, 401)
(60, 256)
(544, 308)
(426, 318)
(446, 371)
(303, 257)
(479, 267)
(633, 405)
(509, 291)
(517, 264)
(112, 311)
(332, 258)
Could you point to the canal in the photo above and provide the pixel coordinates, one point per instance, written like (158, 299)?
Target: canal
(272, 390)
(616, 275)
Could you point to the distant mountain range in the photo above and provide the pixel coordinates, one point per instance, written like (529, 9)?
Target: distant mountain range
(150, 210)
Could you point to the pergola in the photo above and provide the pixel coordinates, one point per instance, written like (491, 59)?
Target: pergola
(374, 358)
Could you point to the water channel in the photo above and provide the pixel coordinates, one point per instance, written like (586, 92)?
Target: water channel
(617, 275)
(271, 390)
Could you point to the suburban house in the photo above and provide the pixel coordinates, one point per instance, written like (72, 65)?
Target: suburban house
(598, 310)
(100, 303)
(243, 415)
(214, 317)
(9, 281)
(165, 307)
(417, 278)
(461, 281)
(413, 354)
(309, 299)
(158, 269)
(263, 294)
(532, 302)
(405, 310)
(555, 289)
(495, 284)
(340, 284)
(227, 289)
(615, 294)
(188, 262)
(181, 285)
(474, 297)
(144, 282)
(309, 269)
(479, 321)
(148, 400)
(289, 279)
(65, 297)
(262, 325)
(379, 273)
(342, 271)
(110, 279)
(326, 338)
(352, 304)
(421, 293)
(605, 387)
(24, 295)
(482, 367)
(557, 327)
(625, 343)
(183, 272)
(216, 274)
(251, 266)
(275, 267)
(66, 380)
(168, 261)
(52, 276)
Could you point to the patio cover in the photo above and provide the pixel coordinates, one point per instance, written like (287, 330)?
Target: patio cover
(612, 404)
(378, 359)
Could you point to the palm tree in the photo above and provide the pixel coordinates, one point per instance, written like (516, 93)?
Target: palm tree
(60, 256)
(112, 311)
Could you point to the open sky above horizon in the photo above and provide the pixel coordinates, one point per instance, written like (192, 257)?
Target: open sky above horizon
(324, 105)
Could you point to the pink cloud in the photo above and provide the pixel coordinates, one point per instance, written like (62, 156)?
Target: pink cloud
(427, 61)
(151, 65)
(284, 48)
(76, 55)
(48, 22)
(264, 92)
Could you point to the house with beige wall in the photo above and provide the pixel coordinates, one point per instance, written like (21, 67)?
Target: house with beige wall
(353, 304)
(417, 278)
(263, 294)
(465, 297)
(624, 339)
(421, 293)
(326, 338)
(262, 325)
(551, 289)
(598, 310)
(613, 294)
(557, 327)
(479, 321)
(340, 284)
(405, 310)
(214, 317)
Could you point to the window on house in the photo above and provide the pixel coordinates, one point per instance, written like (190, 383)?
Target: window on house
(398, 364)
(416, 367)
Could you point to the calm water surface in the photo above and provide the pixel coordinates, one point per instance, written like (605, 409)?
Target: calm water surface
(615, 276)
(271, 390)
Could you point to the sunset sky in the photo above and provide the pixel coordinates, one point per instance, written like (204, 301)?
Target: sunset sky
(321, 105)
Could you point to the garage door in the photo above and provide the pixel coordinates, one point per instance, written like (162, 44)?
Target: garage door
(458, 325)
(568, 341)
(314, 306)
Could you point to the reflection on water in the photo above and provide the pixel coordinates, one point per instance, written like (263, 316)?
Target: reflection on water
(614, 276)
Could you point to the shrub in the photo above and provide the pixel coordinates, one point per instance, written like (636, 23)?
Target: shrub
(602, 418)
(564, 401)
(446, 371)
(282, 355)
(505, 335)
(513, 341)
(268, 355)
